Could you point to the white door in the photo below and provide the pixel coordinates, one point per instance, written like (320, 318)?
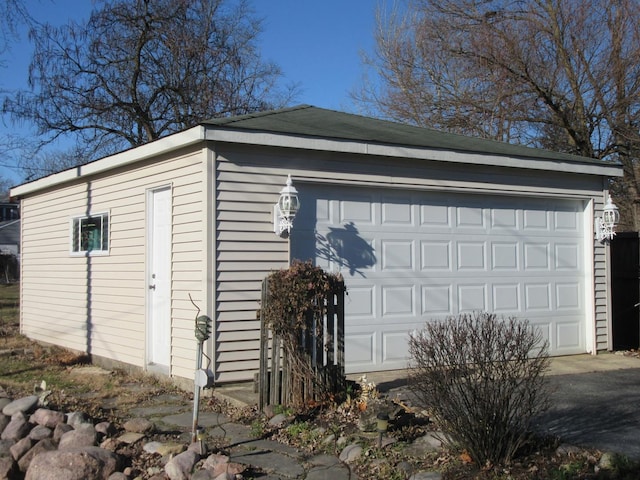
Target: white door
(411, 257)
(159, 278)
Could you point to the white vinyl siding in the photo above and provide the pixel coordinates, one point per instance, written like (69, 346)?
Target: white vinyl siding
(247, 251)
(97, 304)
(248, 184)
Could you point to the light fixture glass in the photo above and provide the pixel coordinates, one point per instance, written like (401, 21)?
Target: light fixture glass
(382, 424)
(605, 226)
(286, 209)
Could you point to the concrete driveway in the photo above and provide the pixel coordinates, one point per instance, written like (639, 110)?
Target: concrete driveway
(595, 401)
(599, 407)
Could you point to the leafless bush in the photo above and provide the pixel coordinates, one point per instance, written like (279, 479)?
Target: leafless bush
(483, 379)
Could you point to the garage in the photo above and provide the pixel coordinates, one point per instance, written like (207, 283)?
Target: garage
(422, 225)
(410, 256)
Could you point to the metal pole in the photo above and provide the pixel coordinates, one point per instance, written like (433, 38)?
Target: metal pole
(196, 395)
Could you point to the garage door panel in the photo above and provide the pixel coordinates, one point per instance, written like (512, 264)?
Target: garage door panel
(472, 298)
(357, 210)
(470, 218)
(505, 256)
(567, 256)
(435, 216)
(536, 220)
(408, 258)
(397, 255)
(436, 300)
(504, 218)
(568, 333)
(435, 255)
(566, 221)
(568, 297)
(361, 302)
(506, 298)
(397, 211)
(471, 256)
(537, 297)
(398, 301)
(360, 351)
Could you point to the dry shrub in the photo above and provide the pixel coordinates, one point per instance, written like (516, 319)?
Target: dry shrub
(483, 379)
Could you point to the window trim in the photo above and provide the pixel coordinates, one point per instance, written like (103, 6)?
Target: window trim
(77, 220)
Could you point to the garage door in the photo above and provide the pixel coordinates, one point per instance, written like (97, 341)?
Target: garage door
(408, 258)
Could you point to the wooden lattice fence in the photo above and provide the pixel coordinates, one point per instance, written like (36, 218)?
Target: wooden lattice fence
(319, 348)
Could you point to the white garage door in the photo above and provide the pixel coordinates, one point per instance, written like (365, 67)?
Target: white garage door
(411, 257)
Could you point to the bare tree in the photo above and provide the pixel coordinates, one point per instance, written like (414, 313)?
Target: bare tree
(559, 74)
(139, 69)
(12, 14)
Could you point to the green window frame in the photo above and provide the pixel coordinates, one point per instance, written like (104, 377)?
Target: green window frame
(90, 234)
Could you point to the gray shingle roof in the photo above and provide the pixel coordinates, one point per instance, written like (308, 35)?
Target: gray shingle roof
(309, 121)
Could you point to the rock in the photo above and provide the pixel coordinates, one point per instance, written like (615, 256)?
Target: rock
(24, 405)
(269, 411)
(4, 421)
(278, 420)
(4, 401)
(180, 466)
(110, 444)
(367, 421)
(218, 465)
(118, 476)
(351, 453)
(17, 428)
(139, 425)
(105, 428)
(47, 418)
(130, 437)
(39, 432)
(78, 464)
(77, 418)
(430, 442)
(84, 435)
(7, 467)
(426, 476)
(202, 475)
(566, 449)
(212, 461)
(21, 447)
(5, 448)
(606, 461)
(225, 476)
(42, 446)
(151, 447)
(60, 430)
(170, 449)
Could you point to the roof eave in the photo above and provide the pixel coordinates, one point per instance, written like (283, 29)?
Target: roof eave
(143, 152)
(243, 136)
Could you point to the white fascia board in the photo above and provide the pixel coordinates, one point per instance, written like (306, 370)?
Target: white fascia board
(349, 146)
(143, 152)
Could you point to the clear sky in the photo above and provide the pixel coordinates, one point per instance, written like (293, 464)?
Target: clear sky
(317, 43)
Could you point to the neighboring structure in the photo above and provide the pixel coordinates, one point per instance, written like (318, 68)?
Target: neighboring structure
(9, 241)
(422, 224)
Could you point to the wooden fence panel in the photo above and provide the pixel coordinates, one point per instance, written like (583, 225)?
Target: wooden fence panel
(322, 348)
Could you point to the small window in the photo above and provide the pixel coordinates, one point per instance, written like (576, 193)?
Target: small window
(90, 234)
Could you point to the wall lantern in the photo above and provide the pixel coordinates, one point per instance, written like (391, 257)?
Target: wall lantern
(285, 210)
(605, 226)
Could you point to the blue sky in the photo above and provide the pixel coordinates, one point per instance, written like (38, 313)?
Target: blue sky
(317, 43)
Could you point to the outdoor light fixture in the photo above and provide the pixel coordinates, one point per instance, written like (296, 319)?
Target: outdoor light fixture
(285, 210)
(605, 226)
(382, 424)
